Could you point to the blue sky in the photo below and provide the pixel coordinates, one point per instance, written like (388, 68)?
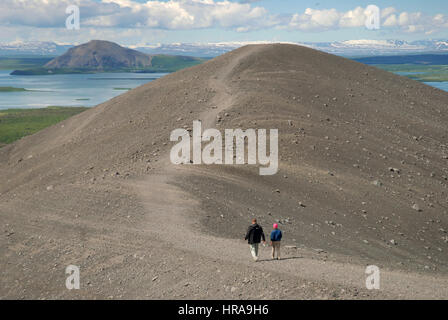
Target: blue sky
(147, 21)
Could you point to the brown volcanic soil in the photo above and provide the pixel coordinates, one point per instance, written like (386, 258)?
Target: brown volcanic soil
(98, 189)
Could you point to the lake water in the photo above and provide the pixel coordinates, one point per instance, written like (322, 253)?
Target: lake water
(440, 85)
(68, 89)
(79, 89)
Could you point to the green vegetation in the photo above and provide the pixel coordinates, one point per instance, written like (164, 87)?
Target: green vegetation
(424, 73)
(122, 88)
(12, 89)
(17, 123)
(174, 63)
(11, 63)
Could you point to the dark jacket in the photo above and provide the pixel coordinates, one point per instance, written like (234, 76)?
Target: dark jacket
(254, 234)
(276, 235)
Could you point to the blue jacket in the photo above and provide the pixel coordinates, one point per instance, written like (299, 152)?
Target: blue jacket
(276, 235)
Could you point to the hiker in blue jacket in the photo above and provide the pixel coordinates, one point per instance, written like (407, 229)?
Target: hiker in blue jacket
(276, 237)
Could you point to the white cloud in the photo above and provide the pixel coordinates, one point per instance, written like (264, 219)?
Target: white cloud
(48, 13)
(241, 16)
(353, 18)
(171, 15)
(415, 22)
(331, 19)
(387, 12)
(183, 14)
(390, 21)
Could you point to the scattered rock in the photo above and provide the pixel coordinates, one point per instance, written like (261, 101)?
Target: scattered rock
(377, 183)
(395, 170)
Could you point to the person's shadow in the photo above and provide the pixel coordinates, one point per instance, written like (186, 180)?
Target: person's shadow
(282, 259)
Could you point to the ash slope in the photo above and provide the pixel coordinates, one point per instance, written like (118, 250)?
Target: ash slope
(67, 190)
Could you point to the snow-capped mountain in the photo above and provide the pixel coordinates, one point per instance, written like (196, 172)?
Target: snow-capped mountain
(33, 48)
(345, 48)
(373, 47)
(437, 45)
(211, 49)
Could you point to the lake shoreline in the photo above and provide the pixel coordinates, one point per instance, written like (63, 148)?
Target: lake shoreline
(73, 90)
(91, 89)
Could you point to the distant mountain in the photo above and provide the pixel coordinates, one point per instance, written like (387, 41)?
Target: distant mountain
(193, 49)
(343, 48)
(382, 47)
(33, 48)
(100, 55)
(105, 56)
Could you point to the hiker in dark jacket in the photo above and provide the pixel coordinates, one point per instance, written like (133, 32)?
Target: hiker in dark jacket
(254, 235)
(276, 238)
